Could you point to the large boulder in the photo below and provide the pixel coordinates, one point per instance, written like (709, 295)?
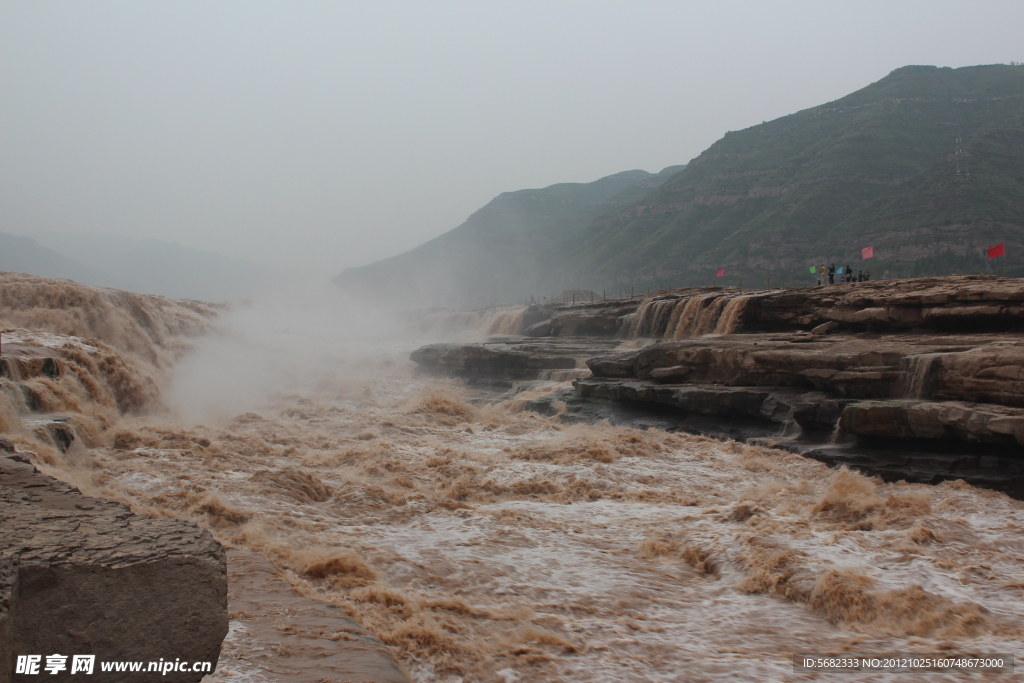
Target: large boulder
(84, 576)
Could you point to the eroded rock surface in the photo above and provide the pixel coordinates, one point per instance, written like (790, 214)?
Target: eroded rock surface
(963, 303)
(80, 575)
(981, 367)
(920, 379)
(918, 406)
(508, 358)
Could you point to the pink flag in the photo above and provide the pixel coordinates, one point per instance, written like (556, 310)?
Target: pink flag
(720, 273)
(867, 252)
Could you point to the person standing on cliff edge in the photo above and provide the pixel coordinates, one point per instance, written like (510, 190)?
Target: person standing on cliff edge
(831, 273)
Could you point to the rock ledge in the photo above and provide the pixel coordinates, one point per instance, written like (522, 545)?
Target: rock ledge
(80, 575)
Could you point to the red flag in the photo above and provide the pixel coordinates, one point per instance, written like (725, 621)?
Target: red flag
(721, 272)
(998, 250)
(867, 252)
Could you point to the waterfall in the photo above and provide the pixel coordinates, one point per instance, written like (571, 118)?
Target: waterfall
(11, 368)
(473, 324)
(688, 318)
(631, 323)
(709, 317)
(673, 320)
(649, 318)
(696, 316)
(507, 322)
(917, 375)
(730, 318)
(659, 321)
(837, 433)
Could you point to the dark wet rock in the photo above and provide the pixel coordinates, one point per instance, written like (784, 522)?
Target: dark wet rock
(909, 461)
(505, 358)
(974, 422)
(706, 400)
(619, 365)
(596, 320)
(575, 408)
(813, 410)
(537, 313)
(81, 575)
(541, 329)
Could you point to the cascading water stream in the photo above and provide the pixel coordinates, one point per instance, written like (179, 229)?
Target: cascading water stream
(917, 375)
(649, 318)
(729, 320)
(709, 317)
(690, 314)
(474, 324)
(507, 322)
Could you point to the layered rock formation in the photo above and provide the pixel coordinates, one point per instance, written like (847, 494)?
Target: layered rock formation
(509, 358)
(80, 575)
(965, 303)
(920, 379)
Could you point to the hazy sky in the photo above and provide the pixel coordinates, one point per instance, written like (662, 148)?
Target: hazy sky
(329, 134)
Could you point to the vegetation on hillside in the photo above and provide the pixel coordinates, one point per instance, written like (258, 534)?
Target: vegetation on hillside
(875, 168)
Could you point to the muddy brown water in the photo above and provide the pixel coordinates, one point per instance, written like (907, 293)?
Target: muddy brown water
(486, 543)
(479, 543)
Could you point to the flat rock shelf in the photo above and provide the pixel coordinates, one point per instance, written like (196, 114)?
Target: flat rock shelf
(917, 379)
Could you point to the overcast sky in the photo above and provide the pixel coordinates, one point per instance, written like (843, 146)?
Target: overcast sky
(330, 134)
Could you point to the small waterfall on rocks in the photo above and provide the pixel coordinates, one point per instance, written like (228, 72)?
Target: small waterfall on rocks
(688, 316)
(673, 320)
(650, 318)
(703, 314)
(917, 377)
(730, 318)
(709, 316)
(473, 323)
(507, 322)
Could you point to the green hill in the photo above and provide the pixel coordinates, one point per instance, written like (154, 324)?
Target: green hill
(510, 249)
(875, 168)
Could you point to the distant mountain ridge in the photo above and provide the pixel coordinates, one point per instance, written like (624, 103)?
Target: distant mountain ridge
(513, 244)
(25, 255)
(874, 168)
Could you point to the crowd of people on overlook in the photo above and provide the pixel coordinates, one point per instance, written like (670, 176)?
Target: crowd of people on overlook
(845, 274)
